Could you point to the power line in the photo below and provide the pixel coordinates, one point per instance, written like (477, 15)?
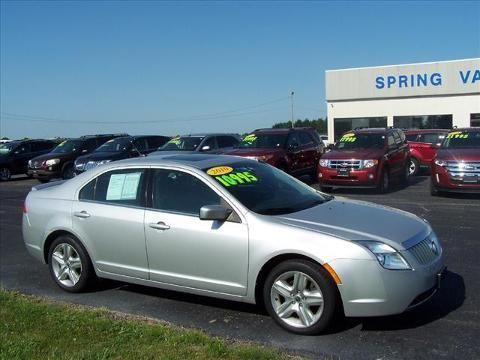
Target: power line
(200, 117)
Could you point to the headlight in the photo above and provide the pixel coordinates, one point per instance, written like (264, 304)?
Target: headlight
(387, 256)
(52, 162)
(369, 163)
(323, 163)
(103, 162)
(29, 163)
(440, 162)
(264, 157)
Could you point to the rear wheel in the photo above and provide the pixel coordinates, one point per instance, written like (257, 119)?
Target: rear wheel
(413, 167)
(406, 173)
(434, 190)
(5, 174)
(69, 264)
(301, 297)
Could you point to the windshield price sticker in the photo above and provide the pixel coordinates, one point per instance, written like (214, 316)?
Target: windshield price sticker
(219, 170)
(250, 138)
(457, 135)
(348, 138)
(236, 178)
(175, 141)
(62, 143)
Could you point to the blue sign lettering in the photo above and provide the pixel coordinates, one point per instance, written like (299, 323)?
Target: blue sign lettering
(379, 82)
(423, 79)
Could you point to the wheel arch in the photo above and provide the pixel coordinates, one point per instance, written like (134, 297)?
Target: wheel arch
(54, 235)
(271, 263)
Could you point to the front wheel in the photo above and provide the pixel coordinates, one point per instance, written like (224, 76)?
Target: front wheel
(67, 172)
(5, 174)
(414, 166)
(69, 264)
(301, 297)
(384, 183)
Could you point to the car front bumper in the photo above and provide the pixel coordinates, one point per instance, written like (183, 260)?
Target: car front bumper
(442, 181)
(44, 173)
(365, 178)
(368, 289)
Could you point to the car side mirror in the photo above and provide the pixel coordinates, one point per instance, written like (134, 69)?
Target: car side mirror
(293, 146)
(84, 151)
(214, 212)
(330, 146)
(205, 148)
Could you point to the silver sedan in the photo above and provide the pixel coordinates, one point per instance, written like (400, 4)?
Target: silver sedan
(235, 229)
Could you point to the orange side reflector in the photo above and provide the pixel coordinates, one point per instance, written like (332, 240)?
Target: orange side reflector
(332, 273)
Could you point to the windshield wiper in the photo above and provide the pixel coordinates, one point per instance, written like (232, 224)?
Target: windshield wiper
(276, 211)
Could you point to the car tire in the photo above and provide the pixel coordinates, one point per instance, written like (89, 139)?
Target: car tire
(69, 264)
(406, 173)
(67, 172)
(384, 182)
(434, 190)
(5, 174)
(414, 167)
(301, 297)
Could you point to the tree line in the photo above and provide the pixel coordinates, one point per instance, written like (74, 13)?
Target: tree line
(318, 124)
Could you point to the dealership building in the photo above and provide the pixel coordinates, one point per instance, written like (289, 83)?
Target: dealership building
(437, 95)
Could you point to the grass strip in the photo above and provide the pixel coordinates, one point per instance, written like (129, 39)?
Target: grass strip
(35, 328)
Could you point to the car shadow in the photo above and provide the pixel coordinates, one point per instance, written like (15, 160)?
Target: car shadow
(448, 298)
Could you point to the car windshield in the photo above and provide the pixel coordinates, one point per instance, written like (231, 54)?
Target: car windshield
(462, 140)
(67, 146)
(264, 141)
(264, 189)
(7, 148)
(115, 145)
(350, 141)
(182, 143)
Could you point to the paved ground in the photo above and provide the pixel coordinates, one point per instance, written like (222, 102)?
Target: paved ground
(446, 328)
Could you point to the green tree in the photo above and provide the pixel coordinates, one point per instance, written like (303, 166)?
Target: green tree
(318, 124)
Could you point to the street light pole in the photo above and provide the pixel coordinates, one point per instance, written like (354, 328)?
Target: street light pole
(291, 101)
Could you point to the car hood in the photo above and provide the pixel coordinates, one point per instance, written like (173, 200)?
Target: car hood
(50, 155)
(172, 152)
(354, 154)
(359, 220)
(459, 154)
(101, 155)
(254, 152)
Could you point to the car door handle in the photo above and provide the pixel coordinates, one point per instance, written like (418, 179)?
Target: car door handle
(82, 214)
(159, 226)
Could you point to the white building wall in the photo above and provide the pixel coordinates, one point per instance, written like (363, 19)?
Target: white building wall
(459, 106)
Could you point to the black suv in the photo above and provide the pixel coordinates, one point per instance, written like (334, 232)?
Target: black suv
(59, 162)
(14, 155)
(120, 148)
(207, 143)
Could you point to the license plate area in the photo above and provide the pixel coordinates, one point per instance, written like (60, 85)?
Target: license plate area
(345, 172)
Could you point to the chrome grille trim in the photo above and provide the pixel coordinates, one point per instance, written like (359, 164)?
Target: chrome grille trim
(423, 251)
(459, 170)
(90, 165)
(349, 164)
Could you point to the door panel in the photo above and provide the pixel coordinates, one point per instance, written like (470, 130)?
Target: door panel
(115, 237)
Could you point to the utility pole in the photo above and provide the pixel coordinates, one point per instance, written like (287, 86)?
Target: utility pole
(291, 101)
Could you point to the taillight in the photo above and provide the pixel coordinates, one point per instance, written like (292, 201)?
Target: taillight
(24, 209)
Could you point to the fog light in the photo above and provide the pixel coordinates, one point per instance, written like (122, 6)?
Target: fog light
(438, 179)
(320, 175)
(371, 176)
(50, 168)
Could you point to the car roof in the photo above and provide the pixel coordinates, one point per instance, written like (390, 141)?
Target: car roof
(280, 130)
(468, 129)
(422, 131)
(371, 130)
(198, 161)
(208, 134)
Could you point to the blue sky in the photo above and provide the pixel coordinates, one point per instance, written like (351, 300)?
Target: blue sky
(73, 68)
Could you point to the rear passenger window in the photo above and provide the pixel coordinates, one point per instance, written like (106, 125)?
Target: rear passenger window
(432, 138)
(120, 187)
(140, 144)
(180, 192)
(412, 137)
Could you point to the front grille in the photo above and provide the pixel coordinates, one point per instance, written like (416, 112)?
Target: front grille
(467, 172)
(424, 251)
(36, 164)
(342, 164)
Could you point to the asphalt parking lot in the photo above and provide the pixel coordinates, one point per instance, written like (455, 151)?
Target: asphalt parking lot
(448, 327)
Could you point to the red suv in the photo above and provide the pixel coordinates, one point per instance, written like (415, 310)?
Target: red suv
(424, 144)
(366, 158)
(295, 151)
(456, 167)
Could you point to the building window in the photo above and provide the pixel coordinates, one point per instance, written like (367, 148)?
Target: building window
(423, 122)
(474, 119)
(342, 125)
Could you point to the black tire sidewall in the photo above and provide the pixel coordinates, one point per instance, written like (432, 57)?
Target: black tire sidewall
(9, 173)
(87, 268)
(417, 166)
(381, 188)
(324, 281)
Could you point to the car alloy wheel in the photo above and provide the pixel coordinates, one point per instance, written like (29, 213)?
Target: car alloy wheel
(413, 167)
(301, 296)
(69, 264)
(66, 264)
(297, 299)
(5, 174)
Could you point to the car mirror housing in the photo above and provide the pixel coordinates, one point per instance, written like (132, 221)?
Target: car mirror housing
(205, 148)
(214, 212)
(293, 146)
